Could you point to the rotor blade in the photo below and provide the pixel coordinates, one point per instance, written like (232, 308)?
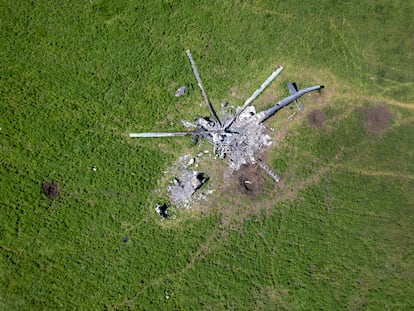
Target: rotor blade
(160, 134)
(299, 105)
(200, 85)
(269, 172)
(293, 89)
(254, 95)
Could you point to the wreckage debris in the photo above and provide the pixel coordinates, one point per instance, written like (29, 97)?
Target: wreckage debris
(181, 193)
(161, 209)
(269, 172)
(181, 90)
(238, 136)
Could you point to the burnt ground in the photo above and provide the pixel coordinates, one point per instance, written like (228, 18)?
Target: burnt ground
(376, 119)
(248, 180)
(239, 196)
(50, 189)
(316, 118)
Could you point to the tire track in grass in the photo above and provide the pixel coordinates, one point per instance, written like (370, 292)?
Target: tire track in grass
(378, 173)
(203, 250)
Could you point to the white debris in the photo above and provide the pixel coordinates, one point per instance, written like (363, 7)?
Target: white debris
(188, 124)
(180, 91)
(191, 162)
(185, 186)
(267, 140)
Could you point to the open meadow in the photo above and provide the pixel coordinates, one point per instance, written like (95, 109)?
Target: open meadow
(76, 77)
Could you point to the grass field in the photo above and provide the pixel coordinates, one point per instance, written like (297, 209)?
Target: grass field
(77, 76)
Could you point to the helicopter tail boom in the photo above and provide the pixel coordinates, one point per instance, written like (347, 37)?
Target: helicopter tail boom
(266, 114)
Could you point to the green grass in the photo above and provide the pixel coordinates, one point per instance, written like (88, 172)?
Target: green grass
(77, 76)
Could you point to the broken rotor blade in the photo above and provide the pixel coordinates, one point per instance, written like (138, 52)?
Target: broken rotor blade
(160, 134)
(293, 89)
(200, 85)
(255, 95)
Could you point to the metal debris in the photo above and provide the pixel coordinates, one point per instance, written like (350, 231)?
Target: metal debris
(180, 91)
(181, 193)
(161, 209)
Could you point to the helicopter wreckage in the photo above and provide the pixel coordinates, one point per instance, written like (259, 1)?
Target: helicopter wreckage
(238, 137)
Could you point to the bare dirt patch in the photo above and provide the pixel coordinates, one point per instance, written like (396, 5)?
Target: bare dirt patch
(317, 118)
(50, 189)
(248, 180)
(377, 119)
(233, 92)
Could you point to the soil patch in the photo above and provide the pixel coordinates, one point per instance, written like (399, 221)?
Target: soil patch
(50, 189)
(316, 118)
(377, 119)
(248, 180)
(233, 92)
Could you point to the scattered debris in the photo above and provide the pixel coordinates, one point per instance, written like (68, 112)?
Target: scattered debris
(181, 193)
(238, 135)
(180, 91)
(94, 169)
(50, 189)
(161, 209)
(191, 162)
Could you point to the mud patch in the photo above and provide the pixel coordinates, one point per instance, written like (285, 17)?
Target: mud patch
(248, 180)
(377, 119)
(316, 118)
(50, 189)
